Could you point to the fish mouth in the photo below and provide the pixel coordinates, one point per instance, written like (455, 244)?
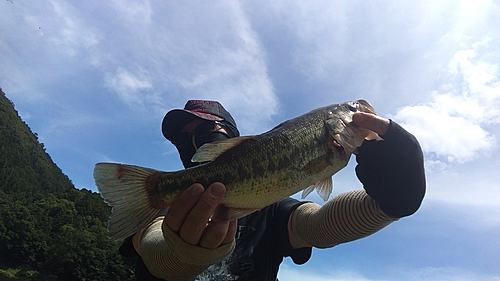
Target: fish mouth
(346, 137)
(364, 106)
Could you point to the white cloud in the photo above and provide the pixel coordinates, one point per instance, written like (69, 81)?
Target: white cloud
(217, 56)
(134, 12)
(473, 186)
(459, 130)
(454, 137)
(129, 86)
(454, 124)
(42, 44)
(70, 34)
(222, 58)
(153, 61)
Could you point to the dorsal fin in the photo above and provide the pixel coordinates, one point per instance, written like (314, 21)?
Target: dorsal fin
(210, 151)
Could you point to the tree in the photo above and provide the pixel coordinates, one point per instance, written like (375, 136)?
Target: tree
(47, 227)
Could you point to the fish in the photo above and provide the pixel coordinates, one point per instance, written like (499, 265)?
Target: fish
(302, 153)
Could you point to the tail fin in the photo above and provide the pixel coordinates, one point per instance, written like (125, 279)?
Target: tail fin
(124, 188)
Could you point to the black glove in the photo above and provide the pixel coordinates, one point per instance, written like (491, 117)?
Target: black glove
(392, 171)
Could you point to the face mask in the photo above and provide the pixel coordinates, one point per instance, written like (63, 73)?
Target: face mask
(187, 150)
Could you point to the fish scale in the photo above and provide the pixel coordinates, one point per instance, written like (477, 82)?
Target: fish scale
(299, 154)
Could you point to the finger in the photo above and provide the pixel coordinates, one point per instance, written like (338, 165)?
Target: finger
(231, 232)
(214, 234)
(218, 233)
(371, 122)
(180, 208)
(196, 221)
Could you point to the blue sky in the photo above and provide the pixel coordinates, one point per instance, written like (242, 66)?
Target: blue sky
(94, 79)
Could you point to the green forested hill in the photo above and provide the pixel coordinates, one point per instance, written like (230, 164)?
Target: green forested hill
(49, 230)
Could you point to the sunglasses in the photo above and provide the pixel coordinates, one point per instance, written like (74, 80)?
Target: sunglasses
(203, 129)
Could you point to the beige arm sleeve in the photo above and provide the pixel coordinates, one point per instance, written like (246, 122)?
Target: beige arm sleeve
(167, 256)
(346, 217)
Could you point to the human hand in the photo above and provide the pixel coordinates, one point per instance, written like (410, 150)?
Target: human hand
(391, 171)
(371, 122)
(189, 216)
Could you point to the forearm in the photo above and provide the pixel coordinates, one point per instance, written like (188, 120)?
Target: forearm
(167, 256)
(346, 217)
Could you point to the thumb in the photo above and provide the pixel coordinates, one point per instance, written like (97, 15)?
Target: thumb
(371, 122)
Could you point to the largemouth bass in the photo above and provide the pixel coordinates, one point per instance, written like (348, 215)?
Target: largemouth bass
(299, 154)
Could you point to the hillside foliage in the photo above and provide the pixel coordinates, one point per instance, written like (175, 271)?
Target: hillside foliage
(49, 230)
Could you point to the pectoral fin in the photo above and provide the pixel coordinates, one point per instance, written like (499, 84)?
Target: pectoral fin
(324, 188)
(317, 165)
